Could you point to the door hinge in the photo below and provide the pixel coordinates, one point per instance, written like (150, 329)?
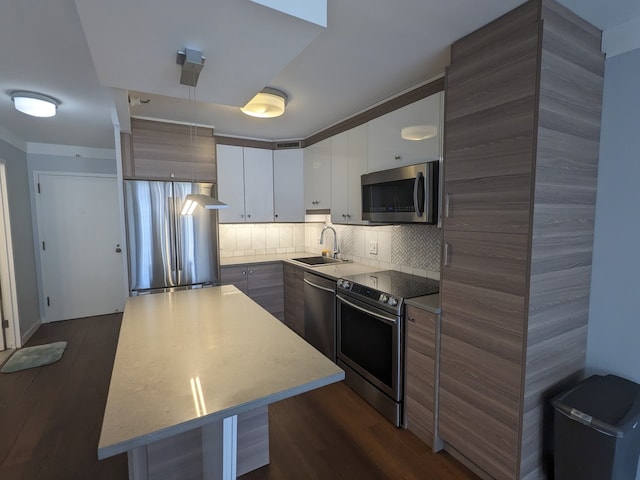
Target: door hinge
(5, 323)
(39, 187)
(48, 302)
(43, 246)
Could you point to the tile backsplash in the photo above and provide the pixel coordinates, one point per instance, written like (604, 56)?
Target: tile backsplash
(409, 248)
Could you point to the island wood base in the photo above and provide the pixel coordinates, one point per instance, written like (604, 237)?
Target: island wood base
(220, 450)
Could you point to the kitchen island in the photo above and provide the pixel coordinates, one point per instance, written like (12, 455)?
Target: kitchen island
(193, 375)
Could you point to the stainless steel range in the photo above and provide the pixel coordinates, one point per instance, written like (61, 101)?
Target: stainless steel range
(370, 342)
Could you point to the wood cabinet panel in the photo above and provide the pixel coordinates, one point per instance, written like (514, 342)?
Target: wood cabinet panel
(170, 151)
(421, 374)
(236, 276)
(497, 34)
(523, 122)
(496, 261)
(266, 287)
(481, 86)
(126, 149)
(294, 298)
(263, 283)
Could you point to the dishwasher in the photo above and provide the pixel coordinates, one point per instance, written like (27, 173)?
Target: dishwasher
(320, 314)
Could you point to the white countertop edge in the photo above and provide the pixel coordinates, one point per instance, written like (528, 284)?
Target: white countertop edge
(128, 445)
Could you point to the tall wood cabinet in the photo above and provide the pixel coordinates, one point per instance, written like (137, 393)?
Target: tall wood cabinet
(523, 103)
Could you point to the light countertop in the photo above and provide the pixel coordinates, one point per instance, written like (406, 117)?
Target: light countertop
(431, 303)
(332, 271)
(188, 358)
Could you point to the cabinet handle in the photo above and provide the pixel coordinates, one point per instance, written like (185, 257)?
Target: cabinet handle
(244, 272)
(397, 157)
(412, 320)
(348, 216)
(344, 216)
(447, 204)
(276, 215)
(250, 272)
(447, 254)
(248, 215)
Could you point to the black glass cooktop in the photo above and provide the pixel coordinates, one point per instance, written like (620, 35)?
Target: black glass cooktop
(393, 283)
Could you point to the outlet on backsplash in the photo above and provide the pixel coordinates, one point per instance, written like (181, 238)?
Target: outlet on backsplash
(373, 248)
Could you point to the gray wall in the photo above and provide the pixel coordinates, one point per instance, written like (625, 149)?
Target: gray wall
(22, 236)
(614, 317)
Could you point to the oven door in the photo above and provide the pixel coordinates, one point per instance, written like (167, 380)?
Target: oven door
(370, 342)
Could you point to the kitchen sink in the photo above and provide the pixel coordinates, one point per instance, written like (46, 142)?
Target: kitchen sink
(319, 260)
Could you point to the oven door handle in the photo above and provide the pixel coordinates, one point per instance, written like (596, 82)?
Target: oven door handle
(330, 290)
(391, 321)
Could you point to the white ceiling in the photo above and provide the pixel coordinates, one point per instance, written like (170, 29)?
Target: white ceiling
(90, 53)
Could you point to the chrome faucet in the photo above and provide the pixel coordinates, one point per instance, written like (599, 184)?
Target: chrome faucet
(335, 240)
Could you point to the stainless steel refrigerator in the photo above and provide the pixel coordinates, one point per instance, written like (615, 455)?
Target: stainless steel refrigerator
(166, 249)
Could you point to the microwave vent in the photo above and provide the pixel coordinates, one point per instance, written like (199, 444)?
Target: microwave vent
(287, 145)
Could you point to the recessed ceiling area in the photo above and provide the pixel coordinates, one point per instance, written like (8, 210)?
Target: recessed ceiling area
(92, 55)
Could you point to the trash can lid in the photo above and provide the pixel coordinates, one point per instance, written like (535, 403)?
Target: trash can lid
(610, 400)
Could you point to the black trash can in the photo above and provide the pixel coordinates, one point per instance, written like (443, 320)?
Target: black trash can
(597, 430)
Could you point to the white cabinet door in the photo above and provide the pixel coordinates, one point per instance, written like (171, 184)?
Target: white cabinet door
(231, 183)
(357, 151)
(348, 163)
(288, 185)
(387, 149)
(317, 175)
(258, 184)
(339, 178)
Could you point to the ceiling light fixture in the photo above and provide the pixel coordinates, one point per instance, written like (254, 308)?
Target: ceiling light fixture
(34, 104)
(419, 132)
(269, 103)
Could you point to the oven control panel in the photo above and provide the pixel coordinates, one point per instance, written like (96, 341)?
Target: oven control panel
(367, 292)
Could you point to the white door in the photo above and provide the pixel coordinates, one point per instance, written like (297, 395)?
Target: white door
(80, 245)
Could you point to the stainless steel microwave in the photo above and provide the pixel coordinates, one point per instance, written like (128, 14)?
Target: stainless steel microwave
(402, 195)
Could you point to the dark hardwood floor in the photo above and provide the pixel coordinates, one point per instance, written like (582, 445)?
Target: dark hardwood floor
(50, 419)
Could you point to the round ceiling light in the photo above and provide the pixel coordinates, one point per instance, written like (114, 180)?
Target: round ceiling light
(34, 104)
(419, 132)
(269, 103)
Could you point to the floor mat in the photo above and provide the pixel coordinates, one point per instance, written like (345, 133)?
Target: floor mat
(31, 357)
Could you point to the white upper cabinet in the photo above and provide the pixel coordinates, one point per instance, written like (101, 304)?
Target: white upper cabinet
(258, 184)
(348, 163)
(388, 148)
(288, 185)
(245, 183)
(231, 183)
(317, 176)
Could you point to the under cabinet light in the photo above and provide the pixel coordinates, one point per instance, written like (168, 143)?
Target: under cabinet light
(194, 199)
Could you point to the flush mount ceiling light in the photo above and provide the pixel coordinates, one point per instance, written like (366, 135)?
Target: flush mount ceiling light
(34, 104)
(419, 132)
(269, 103)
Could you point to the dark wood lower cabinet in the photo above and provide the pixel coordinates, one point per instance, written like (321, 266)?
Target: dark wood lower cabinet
(421, 374)
(263, 283)
(294, 298)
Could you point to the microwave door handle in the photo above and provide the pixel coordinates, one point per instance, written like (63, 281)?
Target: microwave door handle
(416, 190)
